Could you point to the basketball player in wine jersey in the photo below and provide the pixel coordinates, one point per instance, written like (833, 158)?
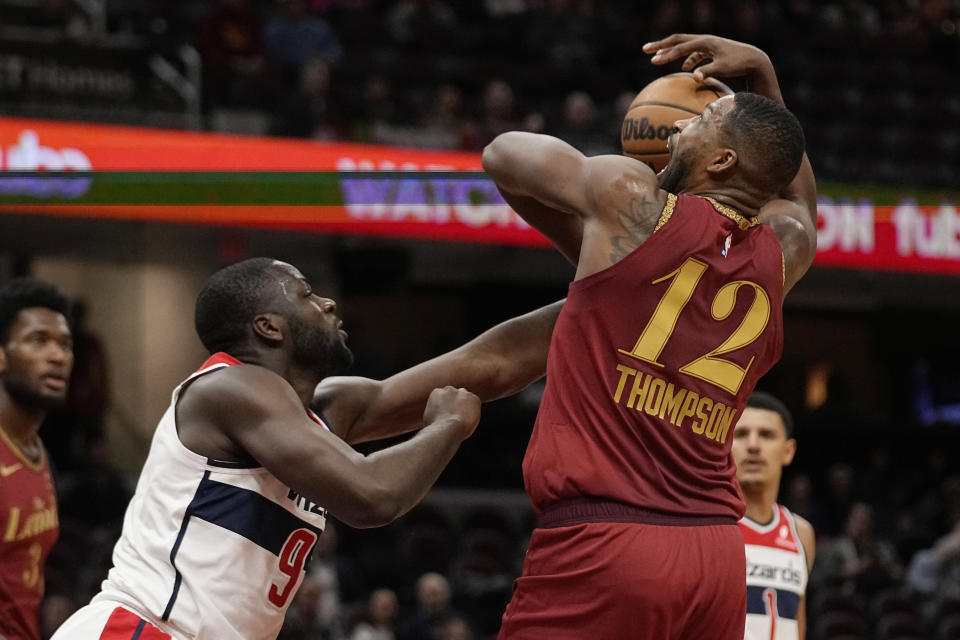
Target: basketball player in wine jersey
(254, 451)
(673, 315)
(779, 544)
(36, 355)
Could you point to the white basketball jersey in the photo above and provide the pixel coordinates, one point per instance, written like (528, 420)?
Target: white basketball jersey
(210, 550)
(776, 576)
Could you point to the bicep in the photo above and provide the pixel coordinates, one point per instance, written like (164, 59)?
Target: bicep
(558, 175)
(264, 416)
(797, 236)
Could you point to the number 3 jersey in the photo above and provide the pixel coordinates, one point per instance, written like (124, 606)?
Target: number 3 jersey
(28, 530)
(652, 360)
(209, 549)
(776, 576)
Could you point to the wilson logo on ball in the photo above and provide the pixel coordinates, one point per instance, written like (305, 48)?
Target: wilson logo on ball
(641, 129)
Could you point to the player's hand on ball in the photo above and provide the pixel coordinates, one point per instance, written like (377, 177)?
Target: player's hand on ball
(707, 56)
(452, 403)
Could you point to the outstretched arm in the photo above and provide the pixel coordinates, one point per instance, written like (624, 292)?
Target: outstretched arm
(498, 363)
(794, 215)
(261, 413)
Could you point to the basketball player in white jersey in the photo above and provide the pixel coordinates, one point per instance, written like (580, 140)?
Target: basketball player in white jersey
(254, 451)
(779, 544)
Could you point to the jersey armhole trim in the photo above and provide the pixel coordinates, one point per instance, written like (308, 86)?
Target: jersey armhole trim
(668, 208)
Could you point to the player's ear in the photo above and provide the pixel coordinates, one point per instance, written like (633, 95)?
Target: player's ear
(789, 451)
(723, 163)
(270, 327)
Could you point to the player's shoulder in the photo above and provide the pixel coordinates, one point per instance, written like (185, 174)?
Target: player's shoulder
(234, 389)
(615, 180)
(805, 532)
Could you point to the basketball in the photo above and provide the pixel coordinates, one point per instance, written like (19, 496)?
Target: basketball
(649, 120)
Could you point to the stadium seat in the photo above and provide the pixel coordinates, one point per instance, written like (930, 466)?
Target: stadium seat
(832, 601)
(899, 626)
(889, 602)
(948, 628)
(839, 623)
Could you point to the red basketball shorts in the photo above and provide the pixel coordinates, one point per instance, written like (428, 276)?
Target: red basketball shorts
(629, 581)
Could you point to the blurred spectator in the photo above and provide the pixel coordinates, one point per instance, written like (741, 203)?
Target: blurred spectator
(306, 618)
(54, 611)
(70, 429)
(839, 499)
(376, 109)
(293, 37)
(859, 560)
(580, 129)
(798, 497)
(935, 572)
(446, 125)
(455, 629)
(422, 24)
(567, 33)
(234, 62)
(341, 579)
(310, 111)
(381, 615)
(433, 609)
(99, 496)
(501, 113)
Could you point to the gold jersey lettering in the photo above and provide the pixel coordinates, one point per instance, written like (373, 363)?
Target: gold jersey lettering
(12, 525)
(725, 423)
(714, 421)
(672, 402)
(625, 372)
(638, 391)
(689, 407)
(654, 397)
(666, 401)
(705, 405)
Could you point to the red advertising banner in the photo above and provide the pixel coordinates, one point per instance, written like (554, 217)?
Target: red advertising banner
(860, 235)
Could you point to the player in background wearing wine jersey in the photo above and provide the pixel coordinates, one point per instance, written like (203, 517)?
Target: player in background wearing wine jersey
(673, 315)
(255, 450)
(36, 356)
(780, 545)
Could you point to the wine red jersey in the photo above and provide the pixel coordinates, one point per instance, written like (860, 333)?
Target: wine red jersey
(28, 529)
(651, 362)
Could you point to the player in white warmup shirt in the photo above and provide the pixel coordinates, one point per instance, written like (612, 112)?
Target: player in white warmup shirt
(242, 468)
(779, 545)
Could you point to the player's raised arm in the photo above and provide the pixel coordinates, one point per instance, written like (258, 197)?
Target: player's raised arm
(497, 363)
(545, 178)
(260, 412)
(794, 215)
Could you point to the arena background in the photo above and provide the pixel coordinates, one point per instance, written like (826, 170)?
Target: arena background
(870, 333)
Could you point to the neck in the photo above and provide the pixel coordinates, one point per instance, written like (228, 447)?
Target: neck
(732, 193)
(744, 204)
(20, 423)
(302, 380)
(761, 501)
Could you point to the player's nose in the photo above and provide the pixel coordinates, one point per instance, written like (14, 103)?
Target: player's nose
(329, 305)
(680, 125)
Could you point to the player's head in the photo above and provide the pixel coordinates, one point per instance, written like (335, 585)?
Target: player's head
(36, 345)
(763, 442)
(265, 303)
(745, 140)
